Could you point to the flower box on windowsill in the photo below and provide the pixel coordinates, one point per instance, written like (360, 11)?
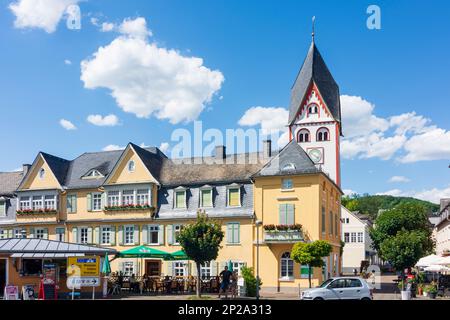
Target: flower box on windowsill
(36, 212)
(128, 208)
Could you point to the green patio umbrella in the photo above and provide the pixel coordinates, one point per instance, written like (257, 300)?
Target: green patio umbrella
(230, 265)
(144, 252)
(106, 267)
(178, 255)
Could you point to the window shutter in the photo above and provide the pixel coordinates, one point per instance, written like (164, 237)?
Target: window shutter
(170, 267)
(214, 268)
(290, 214)
(161, 235)
(31, 235)
(113, 235)
(89, 202)
(74, 203)
(97, 235)
(145, 234)
(282, 214)
(193, 268)
(103, 200)
(2, 208)
(170, 234)
(120, 236)
(229, 233)
(90, 235)
(46, 233)
(236, 233)
(75, 235)
(10, 233)
(136, 235)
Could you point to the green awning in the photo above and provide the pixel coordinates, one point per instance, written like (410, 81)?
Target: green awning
(144, 252)
(178, 255)
(106, 267)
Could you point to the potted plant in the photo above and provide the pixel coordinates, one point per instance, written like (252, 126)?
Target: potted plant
(432, 291)
(420, 289)
(406, 294)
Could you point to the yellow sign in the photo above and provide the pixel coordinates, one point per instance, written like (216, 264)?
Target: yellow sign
(83, 266)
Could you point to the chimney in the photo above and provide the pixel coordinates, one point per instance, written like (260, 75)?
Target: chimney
(25, 168)
(267, 148)
(220, 152)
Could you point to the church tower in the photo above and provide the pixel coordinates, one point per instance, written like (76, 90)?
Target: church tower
(315, 114)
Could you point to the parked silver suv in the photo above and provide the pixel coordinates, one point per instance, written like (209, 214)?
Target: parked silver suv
(340, 288)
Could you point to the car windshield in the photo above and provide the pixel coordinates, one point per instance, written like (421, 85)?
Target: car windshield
(325, 283)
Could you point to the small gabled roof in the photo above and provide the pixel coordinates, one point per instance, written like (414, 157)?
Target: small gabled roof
(292, 157)
(315, 70)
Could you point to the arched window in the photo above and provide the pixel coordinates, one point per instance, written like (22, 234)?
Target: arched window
(42, 173)
(313, 108)
(303, 135)
(131, 166)
(287, 266)
(323, 134)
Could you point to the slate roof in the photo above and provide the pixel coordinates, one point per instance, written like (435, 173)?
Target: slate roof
(292, 154)
(59, 166)
(9, 182)
(315, 69)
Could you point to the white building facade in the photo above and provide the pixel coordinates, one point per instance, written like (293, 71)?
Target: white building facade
(442, 229)
(358, 244)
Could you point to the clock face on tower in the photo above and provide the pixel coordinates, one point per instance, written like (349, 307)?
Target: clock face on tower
(316, 155)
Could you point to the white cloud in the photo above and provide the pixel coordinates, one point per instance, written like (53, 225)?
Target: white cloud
(112, 147)
(66, 124)
(41, 14)
(270, 119)
(107, 27)
(67, 62)
(430, 145)
(164, 146)
(399, 179)
(349, 192)
(135, 28)
(146, 79)
(106, 121)
(433, 195)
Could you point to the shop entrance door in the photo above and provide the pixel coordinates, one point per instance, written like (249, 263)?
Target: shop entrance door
(2, 276)
(153, 268)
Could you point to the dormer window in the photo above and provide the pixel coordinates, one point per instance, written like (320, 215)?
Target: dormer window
(42, 173)
(313, 108)
(234, 195)
(206, 194)
(303, 135)
(131, 166)
(180, 198)
(323, 134)
(288, 167)
(93, 174)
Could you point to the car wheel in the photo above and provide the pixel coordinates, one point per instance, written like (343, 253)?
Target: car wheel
(318, 298)
(366, 299)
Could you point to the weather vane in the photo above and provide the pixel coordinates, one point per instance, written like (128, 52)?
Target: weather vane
(313, 23)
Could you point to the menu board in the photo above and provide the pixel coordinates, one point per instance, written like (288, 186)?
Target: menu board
(49, 273)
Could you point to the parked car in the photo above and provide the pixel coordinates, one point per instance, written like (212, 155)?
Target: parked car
(340, 288)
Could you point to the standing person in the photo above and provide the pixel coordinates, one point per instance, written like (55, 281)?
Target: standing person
(226, 275)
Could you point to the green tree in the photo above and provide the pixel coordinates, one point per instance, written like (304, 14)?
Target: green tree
(250, 281)
(404, 217)
(201, 242)
(311, 254)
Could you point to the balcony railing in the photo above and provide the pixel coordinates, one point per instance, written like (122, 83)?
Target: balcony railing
(29, 212)
(283, 236)
(130, 207)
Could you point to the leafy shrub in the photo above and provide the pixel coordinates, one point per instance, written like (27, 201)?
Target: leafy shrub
(250, 281)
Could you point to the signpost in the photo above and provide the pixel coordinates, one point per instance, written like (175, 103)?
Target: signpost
(83, 272)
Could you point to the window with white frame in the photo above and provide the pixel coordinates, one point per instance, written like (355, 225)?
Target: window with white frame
(113, 198)
(39, 233)
(3, 234)
(179, 269)
(131, 166)
(176, 231)
(233, 233)
(129, 234)
(206, 270)
(60, 234)
(142, 197)
(153, 234)
(237, 266)
(287, 266)
(127, 197)
(286, 184)
(25, 203)
(234, 197)
(37, 203)
(128, 268)
(105, 235)
(360, 237)
(2, 207)
(93, 174)
(206, 198)
(353, 237)
(84, 232)
(96, 202)
(50, 202)
(19, 233)
(180, 199)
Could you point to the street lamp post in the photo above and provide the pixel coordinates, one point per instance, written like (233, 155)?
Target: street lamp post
(257, 223)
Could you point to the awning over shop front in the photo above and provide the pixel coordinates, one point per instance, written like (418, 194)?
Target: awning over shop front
(144, 252)
(42, 248)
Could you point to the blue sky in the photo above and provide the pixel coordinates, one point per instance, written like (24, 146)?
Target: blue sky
(257, 47)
